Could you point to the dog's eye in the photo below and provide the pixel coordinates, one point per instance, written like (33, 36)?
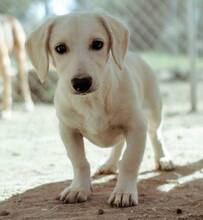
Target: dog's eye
(61, 48)
(96, 45)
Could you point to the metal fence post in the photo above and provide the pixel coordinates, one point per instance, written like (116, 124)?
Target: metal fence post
(192, 37)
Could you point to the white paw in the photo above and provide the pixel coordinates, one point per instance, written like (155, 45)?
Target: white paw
(166, 164)
(6, 114)
(74, 195)
(107, 168)
(29, 106)
(123, 198)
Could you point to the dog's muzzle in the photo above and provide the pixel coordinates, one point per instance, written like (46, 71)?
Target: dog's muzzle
(82, 85)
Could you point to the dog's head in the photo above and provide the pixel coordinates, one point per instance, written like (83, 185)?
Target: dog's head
(80, 46)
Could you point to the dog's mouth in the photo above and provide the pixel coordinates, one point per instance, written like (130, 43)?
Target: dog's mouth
(90, 91)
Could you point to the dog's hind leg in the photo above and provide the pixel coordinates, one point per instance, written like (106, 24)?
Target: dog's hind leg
(20, 55)
(111, 165)
(6, 75)
(162, 158)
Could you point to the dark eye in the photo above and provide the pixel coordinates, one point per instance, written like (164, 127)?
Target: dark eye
(96, 45)
(61, 48)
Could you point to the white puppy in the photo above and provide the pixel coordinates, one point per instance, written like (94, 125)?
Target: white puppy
(104, 94)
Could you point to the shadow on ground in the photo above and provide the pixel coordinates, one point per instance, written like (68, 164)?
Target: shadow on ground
(162, 195)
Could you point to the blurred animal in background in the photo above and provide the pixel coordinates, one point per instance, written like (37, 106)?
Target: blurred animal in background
(12, 40)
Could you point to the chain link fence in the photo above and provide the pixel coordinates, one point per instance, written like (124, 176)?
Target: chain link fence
(167, 33)
(157, 27)
(154, 25)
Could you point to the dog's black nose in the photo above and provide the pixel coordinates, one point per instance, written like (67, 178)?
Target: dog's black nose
(81, 85)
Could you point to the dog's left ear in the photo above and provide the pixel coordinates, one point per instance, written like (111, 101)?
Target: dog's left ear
(119, 38)
(37, 48)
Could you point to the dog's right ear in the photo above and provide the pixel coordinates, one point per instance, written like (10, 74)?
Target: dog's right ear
(37, 48)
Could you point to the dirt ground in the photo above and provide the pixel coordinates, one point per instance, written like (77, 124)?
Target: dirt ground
(34, 167)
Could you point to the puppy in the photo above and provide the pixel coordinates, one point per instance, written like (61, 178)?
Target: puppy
(12, 40)
(105, 94)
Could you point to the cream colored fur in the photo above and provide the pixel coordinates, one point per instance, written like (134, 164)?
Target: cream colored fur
(12, 40)
(123, 104)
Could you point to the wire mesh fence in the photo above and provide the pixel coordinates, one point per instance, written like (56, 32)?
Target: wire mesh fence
(155, 25)
(160, 30)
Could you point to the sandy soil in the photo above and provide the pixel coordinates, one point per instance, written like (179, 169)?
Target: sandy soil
(33, 168)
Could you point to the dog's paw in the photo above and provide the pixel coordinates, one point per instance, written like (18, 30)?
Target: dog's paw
(123, 198)
(165, 164)
(6, 114)
(74, 195)
(106, 169)
(29, 106)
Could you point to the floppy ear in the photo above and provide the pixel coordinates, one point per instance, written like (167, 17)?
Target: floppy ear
(37, 48)
(119, 38)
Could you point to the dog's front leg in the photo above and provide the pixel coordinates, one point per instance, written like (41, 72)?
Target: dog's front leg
(125, 192)
(80, 188)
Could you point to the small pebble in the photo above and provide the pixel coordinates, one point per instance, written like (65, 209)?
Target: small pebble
(179, 211)
(179, 137)
(15, 154)
(100, 212)
(4, 213)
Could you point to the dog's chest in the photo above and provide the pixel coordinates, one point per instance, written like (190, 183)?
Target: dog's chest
(99, 126)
